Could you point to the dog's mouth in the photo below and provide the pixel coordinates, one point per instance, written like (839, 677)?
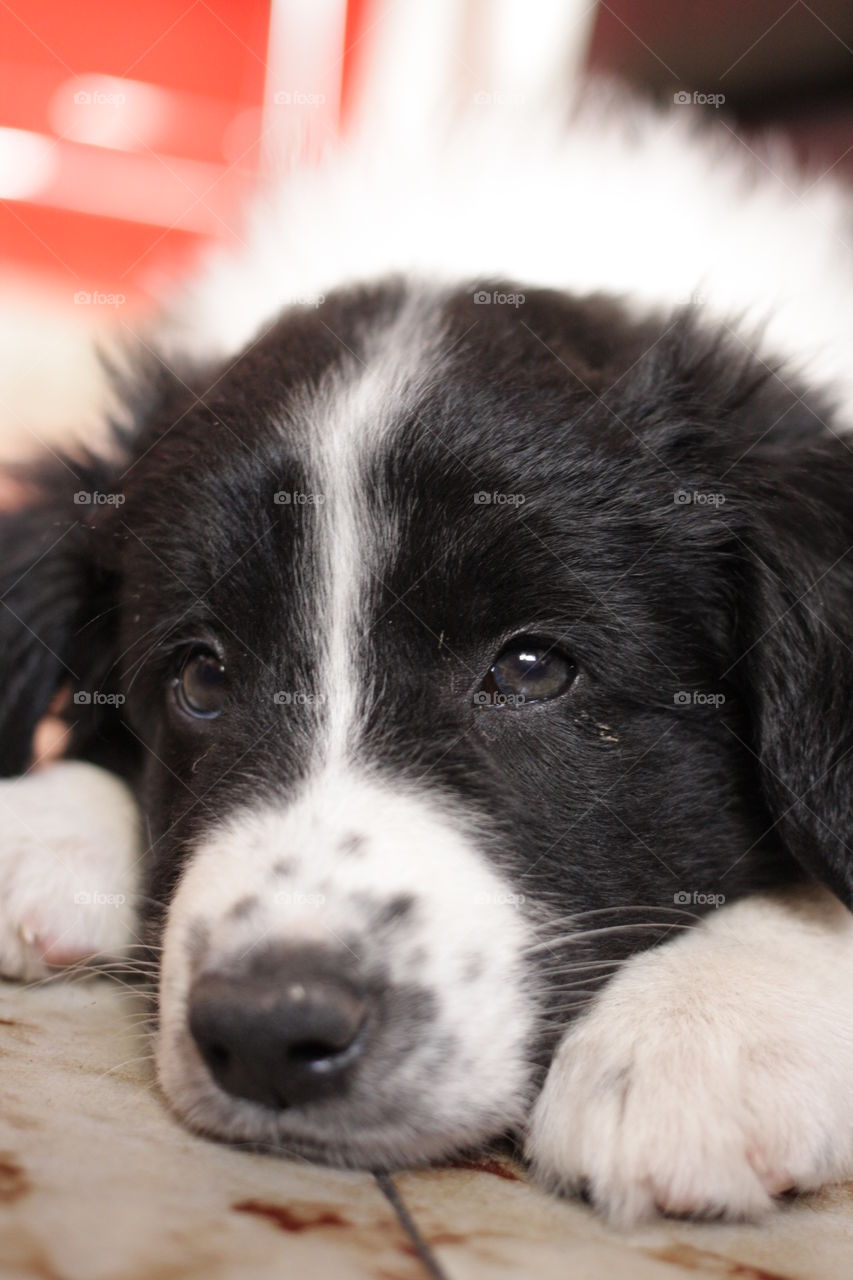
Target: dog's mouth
(373, 1128)
(374, 1153)
(327, 1075)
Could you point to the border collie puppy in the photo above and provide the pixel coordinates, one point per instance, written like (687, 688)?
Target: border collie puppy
(465, 606)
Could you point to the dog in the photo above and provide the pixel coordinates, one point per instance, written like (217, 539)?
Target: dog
(456, 646)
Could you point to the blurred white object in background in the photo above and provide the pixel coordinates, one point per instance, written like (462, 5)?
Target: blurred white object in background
(424, 61)
(51, 386)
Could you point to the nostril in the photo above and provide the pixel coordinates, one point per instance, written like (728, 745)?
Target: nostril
(312, 1051)
(217, 1054)
(328, 1055)
(316, 1054)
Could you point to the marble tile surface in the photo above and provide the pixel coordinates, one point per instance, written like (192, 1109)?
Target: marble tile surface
(99, 1182)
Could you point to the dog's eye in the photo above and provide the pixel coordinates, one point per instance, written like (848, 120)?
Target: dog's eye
(526, 671)
(201, 686)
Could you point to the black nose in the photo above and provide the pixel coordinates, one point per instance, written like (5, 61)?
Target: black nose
(285, 1032)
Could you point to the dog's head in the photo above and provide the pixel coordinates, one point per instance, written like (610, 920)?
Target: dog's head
(465, 642)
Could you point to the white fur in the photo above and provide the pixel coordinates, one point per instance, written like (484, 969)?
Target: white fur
(68, 868)
(349, 421)
(662, 207)
(713, 1072)
(411, 846)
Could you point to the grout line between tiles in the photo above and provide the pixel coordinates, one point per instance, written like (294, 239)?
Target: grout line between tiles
(423, 1250)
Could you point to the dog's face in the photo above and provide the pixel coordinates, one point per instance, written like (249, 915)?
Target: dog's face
(438, 625)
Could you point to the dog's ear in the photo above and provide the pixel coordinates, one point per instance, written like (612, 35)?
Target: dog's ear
(768, 488)
(794, 642)
(61, 542)
(57, 597)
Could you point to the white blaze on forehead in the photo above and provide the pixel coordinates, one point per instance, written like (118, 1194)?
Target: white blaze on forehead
(358, 413)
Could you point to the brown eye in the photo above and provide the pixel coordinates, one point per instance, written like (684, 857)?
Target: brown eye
(526, 671)
(201, 685)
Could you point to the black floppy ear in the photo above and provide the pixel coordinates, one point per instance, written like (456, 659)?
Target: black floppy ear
(57, 597)
(795, 647)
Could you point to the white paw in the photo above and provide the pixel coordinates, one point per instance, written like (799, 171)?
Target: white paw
(68, 868)
(710, 1076)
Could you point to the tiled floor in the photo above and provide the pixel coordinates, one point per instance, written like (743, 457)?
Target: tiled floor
(98, 1182)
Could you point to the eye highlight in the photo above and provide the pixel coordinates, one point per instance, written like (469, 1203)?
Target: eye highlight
(526, 670)
(200, 688)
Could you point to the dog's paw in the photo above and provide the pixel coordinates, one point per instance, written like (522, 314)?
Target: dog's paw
(68, 868)
(708, 1078)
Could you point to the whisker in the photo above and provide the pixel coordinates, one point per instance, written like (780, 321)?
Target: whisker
(145, 1057)
(580, 966)
(655, 907)
(585, 934)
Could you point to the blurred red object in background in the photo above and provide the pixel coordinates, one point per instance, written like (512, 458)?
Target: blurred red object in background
(130, 134)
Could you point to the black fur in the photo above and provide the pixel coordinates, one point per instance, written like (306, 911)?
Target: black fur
(619, 792)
